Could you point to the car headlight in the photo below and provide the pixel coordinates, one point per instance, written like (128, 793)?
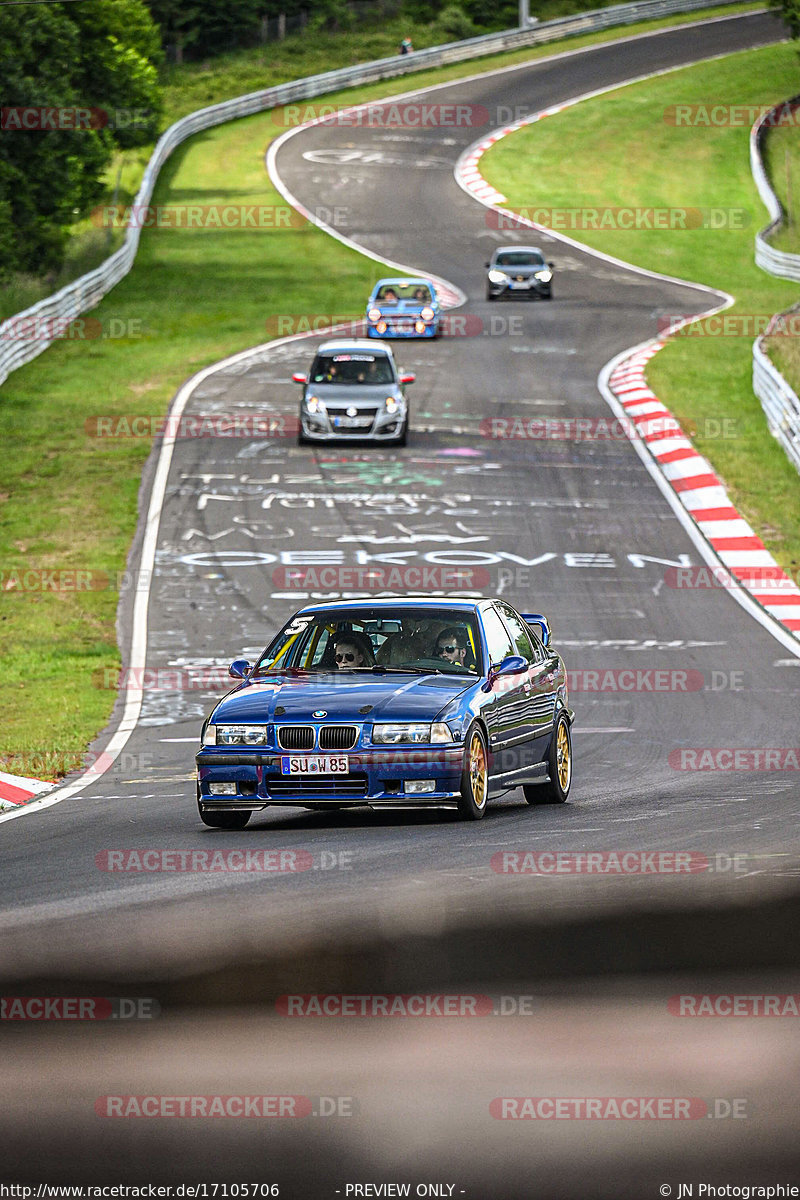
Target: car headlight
(497, 277)
(392, 734)
(374, 314)
(401, 733)
(237, 735)
(314, 404)
(544, 275)
(391, 404)
(427, 313)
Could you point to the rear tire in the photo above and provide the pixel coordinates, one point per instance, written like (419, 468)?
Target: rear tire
(559, 766)
(474, 776)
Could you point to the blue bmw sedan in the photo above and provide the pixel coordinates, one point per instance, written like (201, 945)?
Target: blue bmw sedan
(391, 703)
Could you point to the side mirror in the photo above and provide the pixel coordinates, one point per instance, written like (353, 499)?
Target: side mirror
(300, 378)
(239, 669)
(407, 378)
(487, 264)
(551, 264)
(515, 664)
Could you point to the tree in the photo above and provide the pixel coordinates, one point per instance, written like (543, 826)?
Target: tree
(57, 60)
(790, 11)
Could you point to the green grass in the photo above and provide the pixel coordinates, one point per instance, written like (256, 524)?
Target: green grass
(622, 152)
(68, 501)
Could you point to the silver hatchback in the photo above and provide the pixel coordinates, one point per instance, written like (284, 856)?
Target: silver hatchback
(354, 392)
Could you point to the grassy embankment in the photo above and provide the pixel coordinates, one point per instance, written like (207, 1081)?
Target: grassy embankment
(70, 502)
(622, 151)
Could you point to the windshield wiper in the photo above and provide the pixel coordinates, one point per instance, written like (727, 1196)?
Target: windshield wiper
(379, 669)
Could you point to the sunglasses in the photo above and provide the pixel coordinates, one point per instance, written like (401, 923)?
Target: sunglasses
(345, 657)
(448, 649)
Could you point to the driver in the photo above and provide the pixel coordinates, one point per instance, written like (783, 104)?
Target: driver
(353, 650)
(451, 645)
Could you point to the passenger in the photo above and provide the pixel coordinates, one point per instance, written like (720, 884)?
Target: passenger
(389, 296)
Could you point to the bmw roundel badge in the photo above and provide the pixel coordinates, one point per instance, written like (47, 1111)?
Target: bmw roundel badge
(320, 712)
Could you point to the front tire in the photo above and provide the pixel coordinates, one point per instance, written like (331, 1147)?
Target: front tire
(559, 766)
(474, 776)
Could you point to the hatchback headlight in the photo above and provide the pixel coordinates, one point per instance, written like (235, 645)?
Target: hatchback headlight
(239, 735)
(374, 314)
(497, 276)
(314, 404)
(391, 404)
(544, 275)
(427, 313)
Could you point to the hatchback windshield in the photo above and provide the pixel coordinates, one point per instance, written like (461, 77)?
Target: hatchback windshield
(352, 368)
(415, 292)
(376, 639)
(519, 258)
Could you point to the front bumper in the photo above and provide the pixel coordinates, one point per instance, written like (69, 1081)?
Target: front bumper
(376, 779)
(524, 287)
(382, 428)
(403, 328)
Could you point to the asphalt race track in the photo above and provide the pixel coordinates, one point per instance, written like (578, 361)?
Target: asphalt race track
(578, 530)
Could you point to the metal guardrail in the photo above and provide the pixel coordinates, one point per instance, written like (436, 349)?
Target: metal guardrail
(778, 400)
(45, 319)
(775, 262)
(780, 403)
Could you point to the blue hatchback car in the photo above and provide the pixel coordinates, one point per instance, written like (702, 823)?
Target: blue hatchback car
(403, 308)
(387, 703)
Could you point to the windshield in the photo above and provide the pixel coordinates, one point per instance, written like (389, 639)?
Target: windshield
(392, 293)
(372, 639)
(352, 368)
(519, 258)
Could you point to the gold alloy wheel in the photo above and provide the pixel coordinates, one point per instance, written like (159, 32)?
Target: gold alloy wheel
(477, 770)
(563, 764)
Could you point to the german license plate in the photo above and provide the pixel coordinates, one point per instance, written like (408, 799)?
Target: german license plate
(347, 422)
(314, 764)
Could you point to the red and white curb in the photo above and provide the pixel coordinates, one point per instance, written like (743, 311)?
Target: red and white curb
(17, 789)
(703, 494)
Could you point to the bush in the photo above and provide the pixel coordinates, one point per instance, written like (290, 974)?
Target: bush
(455, 23)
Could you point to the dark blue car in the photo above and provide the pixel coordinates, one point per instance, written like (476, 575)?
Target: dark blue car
(409, 703)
